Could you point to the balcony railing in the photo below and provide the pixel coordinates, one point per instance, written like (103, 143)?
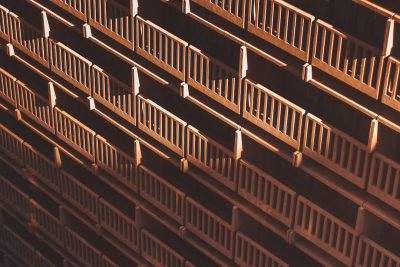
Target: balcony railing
(79, 195)
(74, 133)
(7, 87)
(384, 180)
(161, 47)
(211, 157)
(250, 254)
(232, 10)
(4, 33)
(324, 230)
(113, 94)
(29, 39)
(161, 124)
(158, 253)
(214, 79)
(391, 87)
(372, 254)
(348, 59)
(113, 19)
(71, 66)
(35, 106)
(116, 162)
(283, 25)
(14, 197)
(273, 113)
(266, 192)
(77, 8)
(161, 194)
(119, 225)
(336, 150)
(209, 227)
(11, 145)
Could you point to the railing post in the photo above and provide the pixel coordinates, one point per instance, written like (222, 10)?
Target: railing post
(184, 90)
(235, 218)
(306, 74)
(87, 31)
(134, 7)
(52, 95)
(92, 104)
(135, 81)
(137, 153)
(10, 50)
(244, 66)
(297, 158)
(45, 24)
(57, 157)
(186, 6)
(389, 36)
(373, 136)
(238, 149)
(184, 165)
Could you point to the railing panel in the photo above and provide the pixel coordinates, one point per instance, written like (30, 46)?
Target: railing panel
(266, 192)
(119, 225)
(35, 106)
(70, 66)
(82, 250)
(14, 197)
(7, 87)
(11, 145)
(4, 29)
(74, 133)
(348, 59)
(391, 87)
(384, 180)
(29, 39)
(119, 164)
(209, 227)
(161, 124)
(78, 8)
(232, 10)
(79, 195)
(281, 24)
(250, 254)
(158, 253)
(113, 94)
(336, 150)
(47, 223)
(161, 47)
(113, 19)
(21, 249)
(42, 167)
(211, 157)
(214, 79)
(273, 113)
(325, 230)
(161, 194)
(371, 254)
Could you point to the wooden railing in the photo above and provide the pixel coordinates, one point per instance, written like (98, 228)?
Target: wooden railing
(74, 133)
(81, 249)
(372, 254)
(4, 33)
(250, 254)
(384, 180)
(161, 194)
(79, 195)
(273, 113)
(14, 197)
(324, 230)
(119, 225)
(266, 192)
(77, 8)
(209, 227)
(47, 223)
(113, 19)
(211, 157)
(11, 145)
(116, 162)
(161, 124)
(7, 87)
(348, 59)
(41, 167)
(336, 150)
(29, 39)
(71, 66)
(232, 10)
(113, 94)
(161, 47)
(281, 24)
(35, 106)
(391, 87)
(158, 253)
(214, 79)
